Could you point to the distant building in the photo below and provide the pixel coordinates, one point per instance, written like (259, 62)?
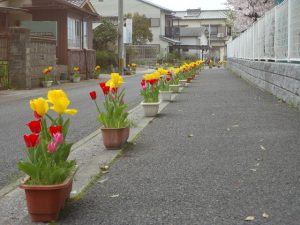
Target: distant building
(202, 33)
(160, 17)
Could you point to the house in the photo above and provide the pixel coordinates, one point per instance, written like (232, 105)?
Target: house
(160, 18)
(74, 20)
(59, 27)
(206, 29)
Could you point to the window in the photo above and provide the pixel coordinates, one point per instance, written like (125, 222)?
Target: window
(74, 33)
(155, 22)
(85, 35)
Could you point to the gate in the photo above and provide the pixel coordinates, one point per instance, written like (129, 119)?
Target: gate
(4, 53)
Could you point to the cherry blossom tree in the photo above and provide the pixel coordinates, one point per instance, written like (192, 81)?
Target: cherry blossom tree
(246, 12)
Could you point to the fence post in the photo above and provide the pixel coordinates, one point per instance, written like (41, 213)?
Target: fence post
(289, 30)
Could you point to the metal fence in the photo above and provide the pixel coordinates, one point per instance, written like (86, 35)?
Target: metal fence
(276, 36)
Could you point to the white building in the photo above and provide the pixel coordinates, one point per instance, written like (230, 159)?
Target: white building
(193, 25)
(160, 17)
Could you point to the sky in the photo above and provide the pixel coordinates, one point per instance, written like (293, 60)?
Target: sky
(190, 4)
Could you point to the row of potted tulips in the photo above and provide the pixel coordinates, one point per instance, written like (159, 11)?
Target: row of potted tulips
(49, 171)
(160, 85)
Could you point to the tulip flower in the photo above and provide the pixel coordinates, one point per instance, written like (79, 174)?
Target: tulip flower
(60, 102)
(35, 126)
(58, 138)
(104, 88)
(51, 147)
(31, 140)
(168, 79)
(93, 95)
(55, 129)
(40, 106)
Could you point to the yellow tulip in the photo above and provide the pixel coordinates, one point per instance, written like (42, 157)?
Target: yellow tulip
(60, 102)
(111, 84)
(116, 79)
(39, 105)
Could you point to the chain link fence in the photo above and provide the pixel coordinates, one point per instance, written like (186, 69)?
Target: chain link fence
(276, 36)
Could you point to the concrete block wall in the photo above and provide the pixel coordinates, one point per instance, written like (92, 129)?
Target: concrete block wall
(42, 55)
(280, 79)
(28, 56)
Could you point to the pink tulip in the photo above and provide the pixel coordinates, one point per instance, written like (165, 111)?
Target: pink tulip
(51, 147)
(58, 138)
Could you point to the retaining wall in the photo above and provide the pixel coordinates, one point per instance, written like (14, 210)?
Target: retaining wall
(280, 79)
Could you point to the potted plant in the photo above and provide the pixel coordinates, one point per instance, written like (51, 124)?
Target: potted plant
(113, 117)
(97, 72)
(174, 82)
(76, 74)
(164, 89)
(150, 92)
(47, 77)
(50, 173)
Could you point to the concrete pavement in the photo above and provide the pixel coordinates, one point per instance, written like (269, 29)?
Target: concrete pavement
(222, 152)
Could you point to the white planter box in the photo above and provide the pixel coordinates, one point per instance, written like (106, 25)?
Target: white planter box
(150, 109)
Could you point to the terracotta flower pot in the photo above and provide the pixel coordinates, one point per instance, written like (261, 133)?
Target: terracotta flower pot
(114, 138)
(189, 79)
(151, 108)
(44, 202)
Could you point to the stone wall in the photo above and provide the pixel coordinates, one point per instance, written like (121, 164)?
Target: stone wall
(19, 53)
(280, 79)
(28, 56)
(42, 55)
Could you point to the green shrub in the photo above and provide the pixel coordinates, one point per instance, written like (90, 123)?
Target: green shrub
(106, 59)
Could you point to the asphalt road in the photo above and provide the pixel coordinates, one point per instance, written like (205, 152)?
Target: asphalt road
(223, 151)
(15, 113)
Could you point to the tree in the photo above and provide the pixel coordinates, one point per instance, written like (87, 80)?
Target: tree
(141, 33)
(105, 36)
(246, 12)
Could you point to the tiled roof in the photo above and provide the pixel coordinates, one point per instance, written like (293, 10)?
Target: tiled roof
(204, 14)
(76, 2)
(155, 5)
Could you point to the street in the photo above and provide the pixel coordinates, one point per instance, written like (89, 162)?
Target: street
(15, 113)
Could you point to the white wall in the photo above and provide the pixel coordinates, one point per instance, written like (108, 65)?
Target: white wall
(110, 8)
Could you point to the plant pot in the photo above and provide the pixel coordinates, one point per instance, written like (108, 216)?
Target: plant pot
(76, 79)
(182, 83)
(189, 79)
(44, 202)
(47, 83)
(150, 108)
(174, 88)
(165, 95)
(114, 138)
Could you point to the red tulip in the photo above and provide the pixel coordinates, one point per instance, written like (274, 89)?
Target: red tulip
(168, 79)
(93, 95)
(143, 82)
(55, 129)
(104, 88)
(31, 140)
(35, 126)
(152, 82)
(36, 115)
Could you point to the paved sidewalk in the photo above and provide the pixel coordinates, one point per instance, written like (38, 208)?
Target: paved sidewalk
(223, 151)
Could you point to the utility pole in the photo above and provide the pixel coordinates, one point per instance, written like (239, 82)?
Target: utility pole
(120, 36)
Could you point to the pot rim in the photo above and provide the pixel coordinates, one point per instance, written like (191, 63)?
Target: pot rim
(174, 85)
(150, 103)
(47, 186)
(165, 92)
(112, 128)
